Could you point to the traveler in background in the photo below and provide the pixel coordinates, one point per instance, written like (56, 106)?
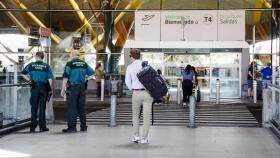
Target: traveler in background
(99, 74)
(3, 80)
(195, 74)
(76, 73)
(188, 77)
(165, 98)
(266, 76)
(40, 75)
(277, 73)
(250, 78)
(4, 70)
(140, 96)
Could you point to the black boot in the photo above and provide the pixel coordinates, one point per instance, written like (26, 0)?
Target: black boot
(67, 130)
(32, 130)
(45, 129)
(84, 129)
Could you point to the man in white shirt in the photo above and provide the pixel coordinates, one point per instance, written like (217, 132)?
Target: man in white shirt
(140, 96)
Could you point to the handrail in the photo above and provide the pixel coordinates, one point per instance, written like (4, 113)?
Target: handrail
(275, 115)
(15, 85)
(112, 74)
(274, 86)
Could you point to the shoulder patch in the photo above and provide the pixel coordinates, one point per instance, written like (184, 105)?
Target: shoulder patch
(78, 64)
(38, 67)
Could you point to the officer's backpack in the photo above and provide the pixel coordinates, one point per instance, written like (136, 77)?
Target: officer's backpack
(152, 81)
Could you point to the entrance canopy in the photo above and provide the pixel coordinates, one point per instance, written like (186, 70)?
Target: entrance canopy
(186, 44)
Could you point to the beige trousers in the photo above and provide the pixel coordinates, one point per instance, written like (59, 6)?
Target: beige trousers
(141, 98)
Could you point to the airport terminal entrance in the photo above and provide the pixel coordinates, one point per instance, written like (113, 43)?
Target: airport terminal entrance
(225, 66)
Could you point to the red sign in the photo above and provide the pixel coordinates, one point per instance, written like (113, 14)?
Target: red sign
(46, 32)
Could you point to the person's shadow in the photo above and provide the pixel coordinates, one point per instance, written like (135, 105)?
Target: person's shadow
(137, 146)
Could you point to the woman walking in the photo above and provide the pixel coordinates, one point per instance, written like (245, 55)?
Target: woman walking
(188, 77)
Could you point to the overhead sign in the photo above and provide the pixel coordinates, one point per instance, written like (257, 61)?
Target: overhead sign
(46, 32)
(231, 25)
(190, 25)
(147, 26)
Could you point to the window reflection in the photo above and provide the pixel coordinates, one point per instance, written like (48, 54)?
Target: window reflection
(225, 58)
(225, 72)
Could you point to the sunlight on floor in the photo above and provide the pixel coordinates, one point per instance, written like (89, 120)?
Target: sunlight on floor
(10, 154)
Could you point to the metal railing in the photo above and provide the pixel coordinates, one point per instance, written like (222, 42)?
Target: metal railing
(14, 103)
(274, 112)
(15, 85)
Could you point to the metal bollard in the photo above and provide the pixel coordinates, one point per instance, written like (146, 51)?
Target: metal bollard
(179, 86)
(217, 91)
(102, 90)
(109, 86)
(192, 105)
(255, 91)
(114, 91)
(1, 119)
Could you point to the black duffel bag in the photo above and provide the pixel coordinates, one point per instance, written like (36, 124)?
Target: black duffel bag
(152, 81)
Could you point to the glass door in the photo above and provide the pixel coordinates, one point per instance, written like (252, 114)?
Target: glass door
(226, 67)
(155, 59)
(175, 63)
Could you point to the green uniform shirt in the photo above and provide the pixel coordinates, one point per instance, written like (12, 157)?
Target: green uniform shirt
(38, 71)
(77, 70)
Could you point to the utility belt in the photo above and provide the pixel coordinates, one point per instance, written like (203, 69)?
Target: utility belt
(68, 88)
(187, 80)
(69, 85)
(35, 84)
(45, 85)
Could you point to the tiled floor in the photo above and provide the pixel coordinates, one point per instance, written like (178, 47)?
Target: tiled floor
(169, 142)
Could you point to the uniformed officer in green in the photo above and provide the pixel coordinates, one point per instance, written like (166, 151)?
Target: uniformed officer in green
(76, 73)
(40, 75)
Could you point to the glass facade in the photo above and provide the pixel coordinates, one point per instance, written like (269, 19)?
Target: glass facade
(100, 29)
